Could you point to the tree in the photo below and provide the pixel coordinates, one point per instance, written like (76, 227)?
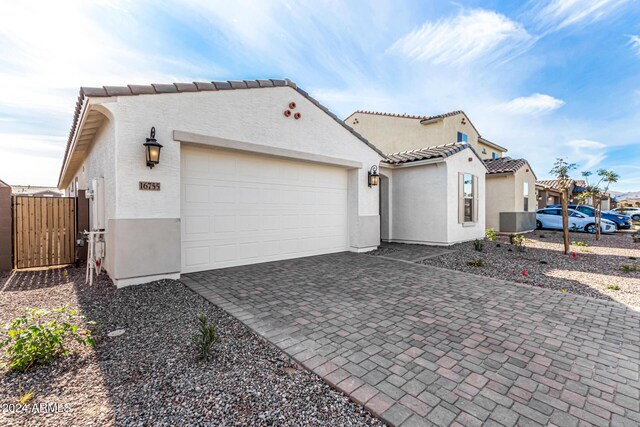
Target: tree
(561, 171)
(595, 191)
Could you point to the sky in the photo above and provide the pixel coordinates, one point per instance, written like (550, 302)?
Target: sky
(545, 78)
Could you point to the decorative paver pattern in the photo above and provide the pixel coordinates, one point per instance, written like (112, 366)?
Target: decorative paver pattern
(419, 345)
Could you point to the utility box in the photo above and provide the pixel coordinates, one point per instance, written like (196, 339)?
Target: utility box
(96, 197)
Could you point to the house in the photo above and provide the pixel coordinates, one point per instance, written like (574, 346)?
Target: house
(433, 195)
(36, 191)
(547, 193)
(248, 172)
(550, 192)
(508, 182)
(510, 197)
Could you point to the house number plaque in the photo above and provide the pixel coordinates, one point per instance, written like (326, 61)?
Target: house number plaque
(149, 186)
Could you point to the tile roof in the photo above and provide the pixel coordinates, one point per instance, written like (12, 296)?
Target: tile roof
(153, 89)
(410, 116)
(504, 165)
(554, 183)
(438, 151)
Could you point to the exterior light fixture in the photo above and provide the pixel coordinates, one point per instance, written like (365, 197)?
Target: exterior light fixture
(153, 149)
(374, 177)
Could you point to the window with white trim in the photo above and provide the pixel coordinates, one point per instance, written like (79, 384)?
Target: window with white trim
(468, 197)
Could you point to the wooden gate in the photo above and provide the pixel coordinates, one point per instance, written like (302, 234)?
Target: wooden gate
(44, 231)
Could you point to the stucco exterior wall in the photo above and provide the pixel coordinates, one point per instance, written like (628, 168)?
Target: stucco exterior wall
(418, 206)
(500, 197)
(395, 134)
(523, 175)
(486, 151)
(251, 115)
(505, 193)
(100, 163)
(464, 162)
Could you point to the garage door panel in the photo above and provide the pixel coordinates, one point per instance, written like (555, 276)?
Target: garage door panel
(240, 209)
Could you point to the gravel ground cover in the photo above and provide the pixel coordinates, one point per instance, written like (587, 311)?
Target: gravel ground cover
(592, 272)
(150, 375)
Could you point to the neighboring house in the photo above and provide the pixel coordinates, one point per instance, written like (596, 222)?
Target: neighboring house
(511, 195)
(550, 192)
(629, 202)
(33, 190)
(547, 195)
(433, 195)
(505, 185)
(249, 172)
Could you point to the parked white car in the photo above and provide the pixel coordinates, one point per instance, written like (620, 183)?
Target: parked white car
(552, 218)
(634, 213)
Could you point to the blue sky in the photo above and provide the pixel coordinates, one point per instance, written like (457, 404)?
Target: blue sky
(547, 79)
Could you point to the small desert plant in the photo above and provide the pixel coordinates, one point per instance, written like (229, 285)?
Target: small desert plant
(37, 338)
(477, 263)
(613, 287)
(204, 338)
(518, 241)
(581, 244)
(490, 233)
(564, 291)
(478, 245)
(628, 268)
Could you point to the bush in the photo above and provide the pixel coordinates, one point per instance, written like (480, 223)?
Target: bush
(477, 263)
(613, 287)
(478, 245)
(628, 268)
(204, 338)
(518, 241)
(581, 244)
(490, 233)
(33, 340)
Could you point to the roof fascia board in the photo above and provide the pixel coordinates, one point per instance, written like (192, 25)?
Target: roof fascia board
(431, 121)
(83, 116)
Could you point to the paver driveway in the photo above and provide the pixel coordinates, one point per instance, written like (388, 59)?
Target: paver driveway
(420, 345)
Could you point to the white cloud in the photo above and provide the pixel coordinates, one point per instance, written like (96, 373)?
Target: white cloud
(634, 42)
(558, 14)
(537, 103)
(472, 35)
(587, 153)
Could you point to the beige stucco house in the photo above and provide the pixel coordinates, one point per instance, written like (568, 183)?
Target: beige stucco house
(508, 185)
(511, 195)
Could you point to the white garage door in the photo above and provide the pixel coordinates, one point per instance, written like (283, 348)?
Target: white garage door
(242, 209)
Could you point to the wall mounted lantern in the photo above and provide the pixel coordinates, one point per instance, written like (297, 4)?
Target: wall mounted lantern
(153, 149)
(374, 177)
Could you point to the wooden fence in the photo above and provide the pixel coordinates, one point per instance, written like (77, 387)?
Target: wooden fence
(44, 231)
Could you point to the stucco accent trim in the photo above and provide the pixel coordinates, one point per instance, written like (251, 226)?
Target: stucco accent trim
(232, 145)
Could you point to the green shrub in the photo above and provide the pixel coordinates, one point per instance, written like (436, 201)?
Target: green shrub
(490, 233)
(581, 244)
(628, 268)
(564, 291)
(204, 338)
(39, 336)
(478, 245)
(613, 287)
(518, 241)
(477, 263)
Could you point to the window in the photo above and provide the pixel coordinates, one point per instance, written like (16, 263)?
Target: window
(526, 196)
(585, 210)
(494, 155)
(468, 197)
(462, 137)
(484, 150)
